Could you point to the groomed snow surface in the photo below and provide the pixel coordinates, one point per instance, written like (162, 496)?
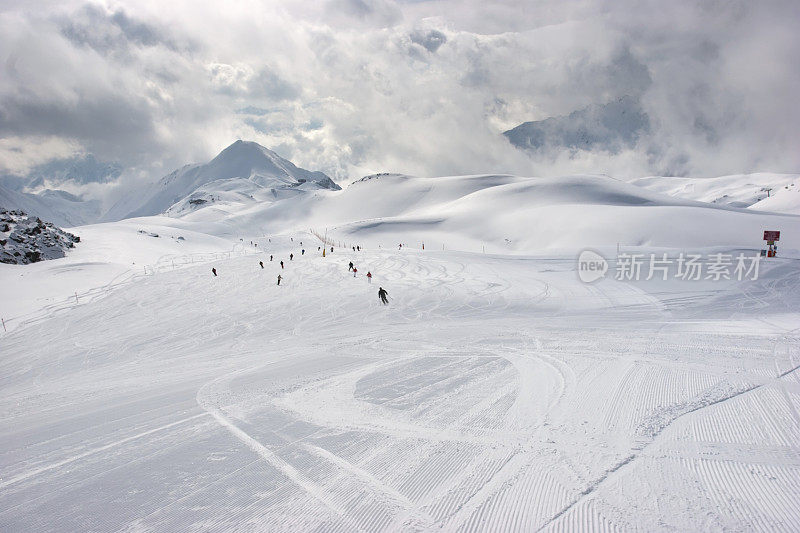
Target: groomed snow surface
(493, 393)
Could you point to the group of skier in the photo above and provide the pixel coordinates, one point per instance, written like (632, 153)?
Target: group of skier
(354, 269)
(382, 293)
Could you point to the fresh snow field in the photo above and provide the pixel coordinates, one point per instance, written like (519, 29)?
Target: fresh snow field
(495, 392)
(761, 191)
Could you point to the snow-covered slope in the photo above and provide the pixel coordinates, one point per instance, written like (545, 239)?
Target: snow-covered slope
(740, 190)
(107, 255)
(230, 194)
(493, 213)
(495, 392)
(247, 160)
(504, 214)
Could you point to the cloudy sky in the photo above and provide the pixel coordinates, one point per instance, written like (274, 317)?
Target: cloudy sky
(353, 87)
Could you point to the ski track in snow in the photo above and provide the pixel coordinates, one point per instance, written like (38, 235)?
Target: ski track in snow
(491, 394)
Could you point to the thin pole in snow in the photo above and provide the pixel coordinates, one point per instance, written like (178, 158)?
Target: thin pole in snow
(4, 324)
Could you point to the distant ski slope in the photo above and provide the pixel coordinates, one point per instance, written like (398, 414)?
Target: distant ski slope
(479, 213)
(507, 214)
(762, 191)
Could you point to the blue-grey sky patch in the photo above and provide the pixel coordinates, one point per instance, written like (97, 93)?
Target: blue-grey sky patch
(431, 40)
(114, 31)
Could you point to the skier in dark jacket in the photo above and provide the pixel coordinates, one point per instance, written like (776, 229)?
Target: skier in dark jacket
(261, 263)
(279, 279)
(350, 266)
(214, 271)
(291, 257)
(382, 294)
(281, 265)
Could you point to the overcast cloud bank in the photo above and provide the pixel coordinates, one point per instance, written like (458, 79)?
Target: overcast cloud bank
(351, 87)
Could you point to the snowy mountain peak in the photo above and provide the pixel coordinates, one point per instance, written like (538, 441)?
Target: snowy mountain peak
(240, 148)
(241, 160)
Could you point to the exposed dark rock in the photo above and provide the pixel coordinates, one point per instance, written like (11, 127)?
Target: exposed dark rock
(25, 239)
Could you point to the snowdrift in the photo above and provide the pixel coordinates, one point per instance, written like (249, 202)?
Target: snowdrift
(507, 214)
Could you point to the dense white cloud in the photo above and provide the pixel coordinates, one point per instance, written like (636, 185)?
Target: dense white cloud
(358, 86)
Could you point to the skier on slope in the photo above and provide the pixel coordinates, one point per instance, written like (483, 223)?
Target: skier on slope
(261, 263)
(350, 266)
(270, 258)
(303, 251)
(369, 277)
(214, 271)
(279, 279)
(382, 294)
(291, 257)
(281, 265)
(355, 271)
